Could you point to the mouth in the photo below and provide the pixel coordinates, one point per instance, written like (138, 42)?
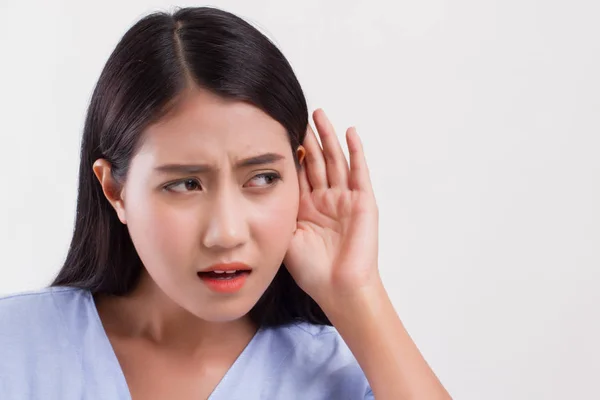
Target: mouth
(225, 278)
(223, 275)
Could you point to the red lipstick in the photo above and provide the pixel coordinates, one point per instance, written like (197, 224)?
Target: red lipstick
(225, 278)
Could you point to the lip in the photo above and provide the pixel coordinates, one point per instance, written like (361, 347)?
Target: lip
(226, 284)
(233, 266)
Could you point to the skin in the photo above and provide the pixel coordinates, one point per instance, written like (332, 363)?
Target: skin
(174, 338)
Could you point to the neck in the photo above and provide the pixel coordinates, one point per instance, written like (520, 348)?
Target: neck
(147, 313)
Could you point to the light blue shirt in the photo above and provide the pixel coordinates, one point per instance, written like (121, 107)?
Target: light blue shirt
(53, 346)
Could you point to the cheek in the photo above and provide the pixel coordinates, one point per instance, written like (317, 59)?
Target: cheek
(275, 222)
(162, 234)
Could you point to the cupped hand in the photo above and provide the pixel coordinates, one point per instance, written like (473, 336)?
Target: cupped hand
(335, 246)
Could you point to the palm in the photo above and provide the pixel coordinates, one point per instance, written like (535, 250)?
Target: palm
(335, 244)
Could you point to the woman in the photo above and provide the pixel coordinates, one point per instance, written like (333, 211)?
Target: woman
(215, 242)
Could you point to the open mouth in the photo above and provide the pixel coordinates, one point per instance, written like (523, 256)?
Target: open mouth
(223, 275)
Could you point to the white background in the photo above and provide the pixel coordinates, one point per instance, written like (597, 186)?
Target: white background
(481, 125)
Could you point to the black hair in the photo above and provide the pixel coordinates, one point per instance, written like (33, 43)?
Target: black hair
(156, 60)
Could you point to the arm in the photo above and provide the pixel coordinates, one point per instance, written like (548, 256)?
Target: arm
(383, 348)
(333, 256)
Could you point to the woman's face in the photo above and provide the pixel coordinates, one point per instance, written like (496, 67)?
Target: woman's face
(189, 202)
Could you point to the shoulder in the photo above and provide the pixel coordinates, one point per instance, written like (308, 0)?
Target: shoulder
(42, 337)
(313, 343)
(38, 323)
(36, 298)
(40, 311)
(319, 360)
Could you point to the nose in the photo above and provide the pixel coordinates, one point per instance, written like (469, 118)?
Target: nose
(226, 224)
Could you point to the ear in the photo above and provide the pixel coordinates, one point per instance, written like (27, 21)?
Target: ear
(300, 154)
(113, 191)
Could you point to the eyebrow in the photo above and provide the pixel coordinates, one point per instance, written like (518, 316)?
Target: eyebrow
(267, 158)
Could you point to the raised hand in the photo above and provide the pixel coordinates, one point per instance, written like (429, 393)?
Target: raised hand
(334, 249)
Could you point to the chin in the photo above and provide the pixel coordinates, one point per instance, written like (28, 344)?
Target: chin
(224, 310)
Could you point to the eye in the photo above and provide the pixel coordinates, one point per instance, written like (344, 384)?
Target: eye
(265, 180)
(186, 185)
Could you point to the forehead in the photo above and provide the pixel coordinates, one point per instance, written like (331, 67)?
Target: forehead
(205, 125)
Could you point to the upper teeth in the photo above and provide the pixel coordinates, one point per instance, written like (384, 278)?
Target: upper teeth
(225, 272)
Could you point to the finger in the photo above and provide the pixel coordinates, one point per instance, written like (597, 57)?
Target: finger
(315, 162)
(359, 178)
(303, 181)
(335, 160)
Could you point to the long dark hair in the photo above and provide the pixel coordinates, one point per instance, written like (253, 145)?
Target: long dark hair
(156, 59)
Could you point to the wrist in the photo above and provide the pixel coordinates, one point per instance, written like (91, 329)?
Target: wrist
(356, 303)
